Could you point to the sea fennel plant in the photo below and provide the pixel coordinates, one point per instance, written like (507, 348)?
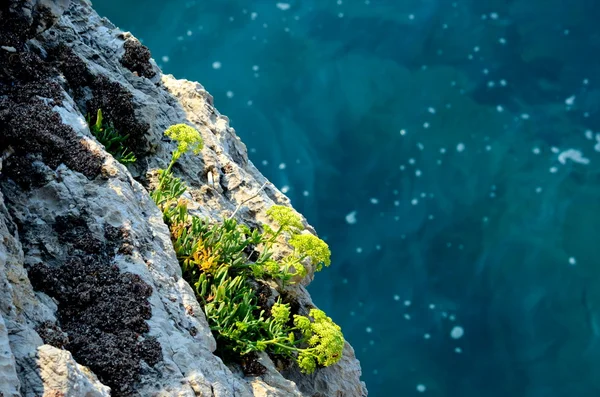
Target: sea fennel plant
(215, 260)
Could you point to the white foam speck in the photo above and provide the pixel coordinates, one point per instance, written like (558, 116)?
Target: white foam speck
(536, 150)
(282, 166)
(572, 261)
(418, 173)
(402, 132)
(457, 332)
(358, 250)
(500, 109)
(305, 193)
(374, 200)
(216, 65)
(570, 100)
(458, 350)
(285, 189)
(229, 94)
(573, 155)
(460, 147)
(165, 58)
(414, 201)
(421, 388)
(283, 6)
(589, 134)
(351, 218)
(553, 170)
(407, 303)
(525, 116)
(369, 330)
(407, 316)
(396, 297)
(426, 336)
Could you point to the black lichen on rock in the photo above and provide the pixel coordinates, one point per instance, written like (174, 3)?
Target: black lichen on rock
(34, 128)
(27, 122)
(117, 107)
(71, 66)
(21, 21)
(74, 230)
(52, 335)
(137, 58)
(26, 170)
(101, 309)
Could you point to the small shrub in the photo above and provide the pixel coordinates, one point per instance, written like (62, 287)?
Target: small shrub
(214, 260)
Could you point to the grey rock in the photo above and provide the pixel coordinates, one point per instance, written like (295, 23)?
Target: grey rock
(222, 181)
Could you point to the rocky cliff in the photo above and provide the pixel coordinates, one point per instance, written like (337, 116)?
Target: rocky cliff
(92, 302)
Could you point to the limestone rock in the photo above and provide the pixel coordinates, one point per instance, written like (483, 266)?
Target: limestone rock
(92, 302)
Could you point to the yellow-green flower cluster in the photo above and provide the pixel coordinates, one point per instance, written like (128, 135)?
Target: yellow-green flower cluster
(325, 339)
(280, 313)
(188, 138)
(309, 245)
(287, 219)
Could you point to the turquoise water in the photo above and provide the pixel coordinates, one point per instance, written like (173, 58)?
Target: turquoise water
(449, 152)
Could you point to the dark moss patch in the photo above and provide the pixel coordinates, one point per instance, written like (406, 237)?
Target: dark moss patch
(263, 293)
(137, 59)
(102, 310)
(72, 229)
(251, 366)
(22, 67)
(118, 240)
(52, 335)
(34, 128)
(15, 28)
(18, 26)
(117, 107)
(27, 171)
(24, 75)
(71, 66)
(104, 313)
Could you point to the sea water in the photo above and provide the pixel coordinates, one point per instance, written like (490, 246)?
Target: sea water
(448, 152)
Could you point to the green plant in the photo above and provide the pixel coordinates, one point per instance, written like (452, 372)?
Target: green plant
(310, 246)
(215, 260)
(111, 139)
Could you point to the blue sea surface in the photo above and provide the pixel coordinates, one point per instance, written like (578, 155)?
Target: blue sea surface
(448, 152)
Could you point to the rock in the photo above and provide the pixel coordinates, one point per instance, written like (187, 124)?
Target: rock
(62, 376)
(9, 382)
(92, 302)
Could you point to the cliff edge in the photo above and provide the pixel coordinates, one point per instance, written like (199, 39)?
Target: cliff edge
(92, 299)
